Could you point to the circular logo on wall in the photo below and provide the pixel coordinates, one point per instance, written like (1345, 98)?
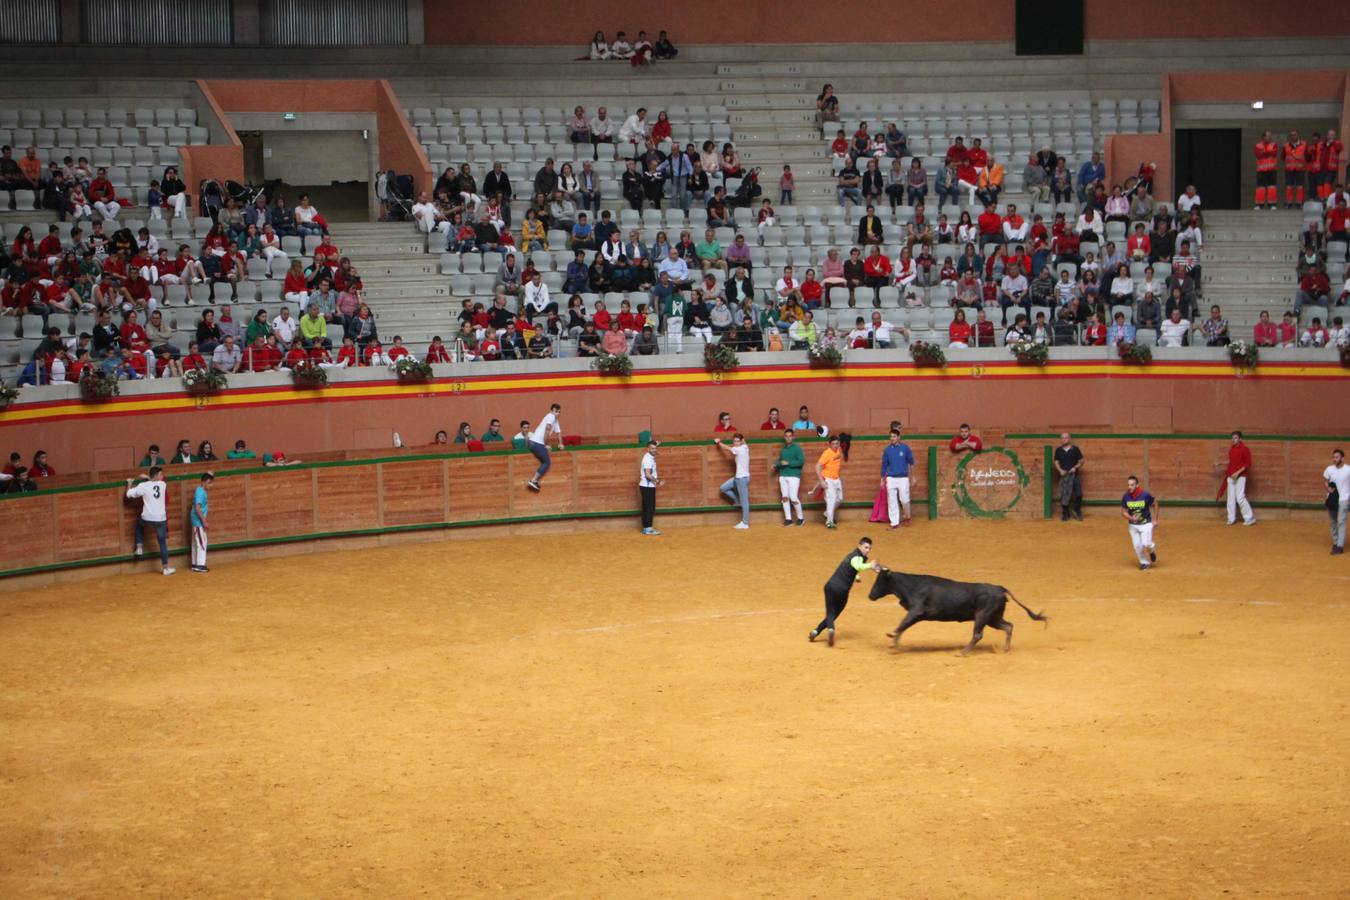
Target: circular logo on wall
(989, 484)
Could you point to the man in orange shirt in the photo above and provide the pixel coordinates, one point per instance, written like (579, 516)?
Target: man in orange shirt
(828, 476)
(1330, 164)
(1267, 155)
(1295, 177)
(31, 167)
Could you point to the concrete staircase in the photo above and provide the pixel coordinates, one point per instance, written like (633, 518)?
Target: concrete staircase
(1249, 263)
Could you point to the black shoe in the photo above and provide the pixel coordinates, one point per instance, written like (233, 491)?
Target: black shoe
(787, 523)
(801, 522)
(1064, 516)
(1337, 551)
(1153, 556)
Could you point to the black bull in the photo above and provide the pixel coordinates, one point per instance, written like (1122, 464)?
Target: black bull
(927, 597)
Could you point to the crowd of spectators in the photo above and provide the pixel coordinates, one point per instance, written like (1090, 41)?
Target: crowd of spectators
(124, 280)
(638, 53)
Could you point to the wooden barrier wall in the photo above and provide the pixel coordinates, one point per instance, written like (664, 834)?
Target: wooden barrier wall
(90, 524)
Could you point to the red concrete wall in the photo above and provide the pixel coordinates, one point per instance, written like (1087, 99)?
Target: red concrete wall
(845, 21)
(399, 147)
(1035, 402)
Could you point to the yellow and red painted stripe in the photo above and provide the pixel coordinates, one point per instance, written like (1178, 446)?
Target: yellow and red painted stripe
(525, 382)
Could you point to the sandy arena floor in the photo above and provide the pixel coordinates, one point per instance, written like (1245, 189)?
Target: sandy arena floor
(609, 715)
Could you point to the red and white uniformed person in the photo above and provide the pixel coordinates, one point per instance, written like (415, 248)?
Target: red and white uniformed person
(1295, 152)
(1267, 159)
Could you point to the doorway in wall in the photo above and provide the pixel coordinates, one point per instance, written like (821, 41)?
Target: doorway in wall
(1210, 159)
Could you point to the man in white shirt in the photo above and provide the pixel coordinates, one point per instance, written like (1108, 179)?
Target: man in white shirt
(1012, 291)
(1337, 477)
(285, 328)
(152, 493)
(880, 331)
(602, 130)
(537, 302)
(538, 443)
(648, 481)
(428, 217)
(737, 487)
(1173, 331)
(634, 131)
(674, 266)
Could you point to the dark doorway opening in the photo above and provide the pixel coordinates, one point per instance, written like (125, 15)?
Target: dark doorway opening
(1210, 159)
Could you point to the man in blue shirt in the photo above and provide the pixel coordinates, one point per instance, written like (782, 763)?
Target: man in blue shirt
(1139, 508)
(1121, 332)
(804, 422)
(1092, 172)
(895, 462)
(197, 516)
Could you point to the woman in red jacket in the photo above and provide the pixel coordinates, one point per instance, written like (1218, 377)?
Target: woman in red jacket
(958, 333)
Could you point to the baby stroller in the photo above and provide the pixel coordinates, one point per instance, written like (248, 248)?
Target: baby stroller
(400, 190)
(212, 199)
(244, 195)
(748, 190)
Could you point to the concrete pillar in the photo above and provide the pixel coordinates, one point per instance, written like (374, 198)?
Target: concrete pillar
(71, 32)
(373, 149)
(417, 23)
(247, 23)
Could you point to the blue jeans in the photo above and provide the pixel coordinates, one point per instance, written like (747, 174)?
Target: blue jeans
(850, 193)
(737, 490)
(679, 192)
(161, 537)
(540, 452)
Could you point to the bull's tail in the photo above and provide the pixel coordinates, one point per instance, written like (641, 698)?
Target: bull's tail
(1036, 616)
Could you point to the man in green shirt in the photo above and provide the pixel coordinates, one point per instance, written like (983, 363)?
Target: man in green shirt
(314, 329)
(152, 457)
(241, 451)
(674, 309)
(494, 433)
(803, 332)
(709, 252)
(789, 468)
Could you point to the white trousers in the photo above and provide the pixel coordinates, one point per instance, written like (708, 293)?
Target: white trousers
(834, 495)
(179, 204)
(108, 210)
(1237, 500)
(788, 489)
(970, 187)
(702, 331)
(198, 546)
(675, 333)
(897, 497)
(1141, 536)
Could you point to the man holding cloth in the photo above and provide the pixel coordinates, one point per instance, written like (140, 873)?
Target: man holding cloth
(1239, 464)
(896, 460)
(1337, 477)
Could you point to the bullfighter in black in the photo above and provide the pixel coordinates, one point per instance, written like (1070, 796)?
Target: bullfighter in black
(840, 583)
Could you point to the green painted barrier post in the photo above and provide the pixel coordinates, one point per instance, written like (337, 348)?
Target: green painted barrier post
(1049, 509)
(932, 483)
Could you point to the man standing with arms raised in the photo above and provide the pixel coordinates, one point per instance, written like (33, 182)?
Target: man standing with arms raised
(538, 443)
(153, 494)
(737, 487)
(1337, 477)
(789, 467)
(1239, 464)
(895, 462)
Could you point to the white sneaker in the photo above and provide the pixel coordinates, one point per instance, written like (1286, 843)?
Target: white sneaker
(170, 571)
(139, 552)
(741, 525)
